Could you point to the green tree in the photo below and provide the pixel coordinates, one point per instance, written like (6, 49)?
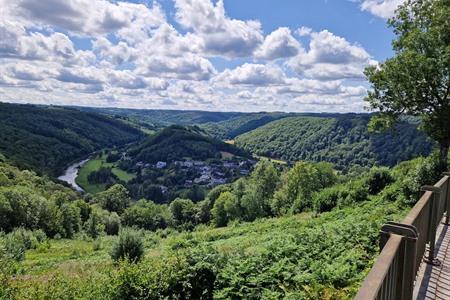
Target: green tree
(71, 222)
(226, 208)
(183, 211)
(298, 186)
(259, 191)
(95, 224)
(115, 199)
(147, 215)
(416, 80)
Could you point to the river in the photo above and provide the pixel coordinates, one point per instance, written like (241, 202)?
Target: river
(71, 174)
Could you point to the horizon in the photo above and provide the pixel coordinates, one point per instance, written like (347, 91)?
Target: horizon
(197, 55)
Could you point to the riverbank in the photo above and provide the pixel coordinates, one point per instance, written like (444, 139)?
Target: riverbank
(71, 174)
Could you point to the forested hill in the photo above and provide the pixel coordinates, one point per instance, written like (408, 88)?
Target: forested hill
(47, 138)
(342, 140)
(176, 142)
(229, 129)
(161, 117)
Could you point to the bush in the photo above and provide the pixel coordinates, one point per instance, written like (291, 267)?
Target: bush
(328, 198)
(112, 224)
(129, 246)
(378, 179)
(20, 240)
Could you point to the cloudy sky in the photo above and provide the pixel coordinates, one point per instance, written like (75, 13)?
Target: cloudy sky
(226, 55)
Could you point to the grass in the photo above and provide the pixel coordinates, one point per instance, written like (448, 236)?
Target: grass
(274, 160)
(95, 164)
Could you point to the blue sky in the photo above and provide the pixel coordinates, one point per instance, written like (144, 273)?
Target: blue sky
(231, 55)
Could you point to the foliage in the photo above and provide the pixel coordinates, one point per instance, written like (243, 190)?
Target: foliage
(45, 139)
(15, 243)
(128, 247)
(34, 202)
(183, 212)
(342, 140)
(259, 191)
(102, 176)
(226, 208)
(112, 224)
(177, 142)
(416, 80)
(229, 129)
(115, 199)
(147, 215)
(299, 185)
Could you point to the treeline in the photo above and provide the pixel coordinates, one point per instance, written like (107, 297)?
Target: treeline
(162, 117)
(342, 140)
(46, 138)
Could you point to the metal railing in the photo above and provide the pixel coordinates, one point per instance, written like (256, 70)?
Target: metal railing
(404, 245)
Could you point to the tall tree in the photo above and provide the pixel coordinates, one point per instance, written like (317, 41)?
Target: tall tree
(416, 80)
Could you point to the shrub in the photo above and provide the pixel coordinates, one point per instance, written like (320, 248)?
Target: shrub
(328, 198)
(112, 224)
(20, 240)
(129, 246)
(378, 179)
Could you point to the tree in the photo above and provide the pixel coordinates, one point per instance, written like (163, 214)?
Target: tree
(225, 208)
(115, 199)
(259, 191)
(71, 221)
(147, 215)
(183, 211)
(416, 80)
(299, 184)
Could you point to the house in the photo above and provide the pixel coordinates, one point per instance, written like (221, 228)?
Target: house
(161, 164)
(202, 179)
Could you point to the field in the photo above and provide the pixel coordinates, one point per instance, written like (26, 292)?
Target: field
(268, 258)
(95, 164)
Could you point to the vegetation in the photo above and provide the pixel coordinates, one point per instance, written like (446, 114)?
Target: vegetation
(231, 128)
(416, 80)
(305, 253)
(100, 180)
(162, 118)
(128, 247)
(342, 140)
(177, 142)
(45, 139)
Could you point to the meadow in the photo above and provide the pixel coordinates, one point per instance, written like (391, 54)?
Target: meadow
(95, 164)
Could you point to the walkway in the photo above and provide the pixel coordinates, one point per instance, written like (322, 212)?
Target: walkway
(433, 282)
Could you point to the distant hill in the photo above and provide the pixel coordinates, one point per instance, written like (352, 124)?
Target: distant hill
(233, 127)
(47, 138)
(340, 139)
(157, 117)
(177, 142)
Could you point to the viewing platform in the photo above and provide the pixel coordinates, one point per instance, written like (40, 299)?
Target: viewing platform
(414, 262)
(433, 281)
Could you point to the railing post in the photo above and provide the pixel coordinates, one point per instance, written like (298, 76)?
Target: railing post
(447, 199)
(407, 258)
(432, 223)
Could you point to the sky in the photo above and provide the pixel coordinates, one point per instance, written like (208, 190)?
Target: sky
(215, 55)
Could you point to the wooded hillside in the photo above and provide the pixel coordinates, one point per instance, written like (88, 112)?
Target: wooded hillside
(46, 139)
(342, 140)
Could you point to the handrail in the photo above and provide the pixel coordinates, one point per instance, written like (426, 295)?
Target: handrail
(403, 246)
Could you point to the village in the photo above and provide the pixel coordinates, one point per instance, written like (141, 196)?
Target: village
(205, 173)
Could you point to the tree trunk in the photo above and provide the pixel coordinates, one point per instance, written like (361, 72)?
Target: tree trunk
(443, 155)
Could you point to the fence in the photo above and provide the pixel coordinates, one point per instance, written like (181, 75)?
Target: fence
(404, 246)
